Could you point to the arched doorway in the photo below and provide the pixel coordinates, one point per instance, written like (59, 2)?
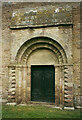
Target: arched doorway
(40, 51)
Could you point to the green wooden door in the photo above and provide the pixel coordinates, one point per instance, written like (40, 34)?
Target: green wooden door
(43, 83)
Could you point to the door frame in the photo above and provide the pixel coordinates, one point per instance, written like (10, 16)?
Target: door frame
(53, 80)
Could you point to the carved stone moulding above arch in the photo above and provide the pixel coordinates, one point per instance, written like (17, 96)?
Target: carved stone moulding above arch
(40, 42)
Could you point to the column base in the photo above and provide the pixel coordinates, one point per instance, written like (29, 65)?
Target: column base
(13, 104)
(69, 108)
(23, 104)
(78, 107)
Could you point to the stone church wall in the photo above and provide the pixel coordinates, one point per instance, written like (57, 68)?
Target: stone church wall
(68, 36)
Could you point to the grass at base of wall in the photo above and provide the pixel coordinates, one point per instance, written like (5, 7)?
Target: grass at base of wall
(37, 112)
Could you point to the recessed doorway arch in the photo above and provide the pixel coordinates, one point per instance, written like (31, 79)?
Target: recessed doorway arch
(39, 51)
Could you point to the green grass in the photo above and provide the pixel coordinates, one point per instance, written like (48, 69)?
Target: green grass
(37, 112)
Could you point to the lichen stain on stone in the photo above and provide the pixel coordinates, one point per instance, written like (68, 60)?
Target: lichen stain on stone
(41, 16)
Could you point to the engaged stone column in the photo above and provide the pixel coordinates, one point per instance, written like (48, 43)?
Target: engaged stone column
(57, 85)
(29, 84)
(24, 85)
(19, 84)
(68, 86)
(61, 86)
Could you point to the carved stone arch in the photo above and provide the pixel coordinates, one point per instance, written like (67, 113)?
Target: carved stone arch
(28, 44)
(32, 48)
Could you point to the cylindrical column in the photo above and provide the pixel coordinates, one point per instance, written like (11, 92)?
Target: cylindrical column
(19, 84)
(61, 86)
(24, 85)
(29, 83)
(57, 85)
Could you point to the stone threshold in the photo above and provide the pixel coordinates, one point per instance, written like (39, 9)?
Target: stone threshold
(50, 105)
(47, 104)
(32, 103)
